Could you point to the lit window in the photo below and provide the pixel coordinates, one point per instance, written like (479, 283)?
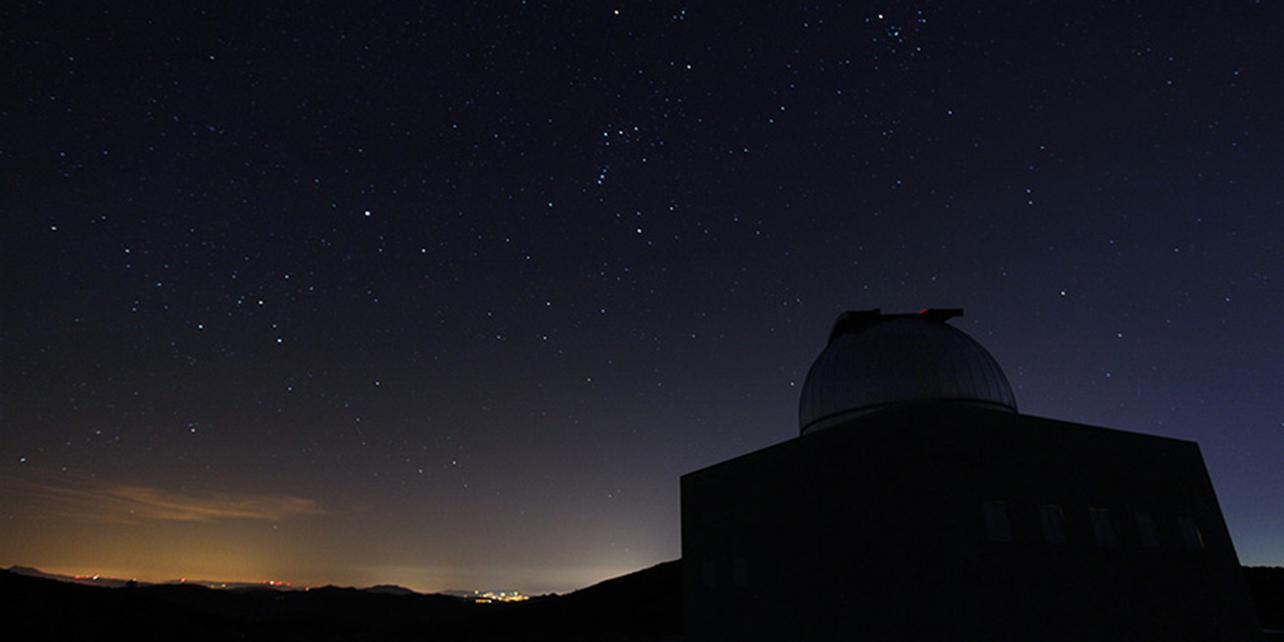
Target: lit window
(1054, 524)
(1146, 531)
(997, 525)
(710, 579)
(740, 573)
(1190, 535)
(1102, 531)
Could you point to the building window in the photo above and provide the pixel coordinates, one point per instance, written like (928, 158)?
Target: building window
(710, 580)
(997, 526)
(1191, 538)
(1054, 524)
(740, 573)
(1146, 531)
(1102, 531)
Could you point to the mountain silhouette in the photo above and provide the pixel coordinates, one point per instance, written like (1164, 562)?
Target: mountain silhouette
(641, 606)
(390, 589)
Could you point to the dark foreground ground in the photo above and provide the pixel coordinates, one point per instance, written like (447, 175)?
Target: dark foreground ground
(645, 605)
(1266, 583)
(640, 606)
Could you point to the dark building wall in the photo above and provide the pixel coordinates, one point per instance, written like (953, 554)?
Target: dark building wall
(880, 528)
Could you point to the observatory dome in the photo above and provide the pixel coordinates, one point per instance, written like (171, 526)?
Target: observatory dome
(875, 360)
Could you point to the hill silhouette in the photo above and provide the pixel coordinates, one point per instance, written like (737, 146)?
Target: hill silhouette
(644, 605)
(640, 606)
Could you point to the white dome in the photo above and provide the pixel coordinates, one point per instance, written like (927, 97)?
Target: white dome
(875, 360)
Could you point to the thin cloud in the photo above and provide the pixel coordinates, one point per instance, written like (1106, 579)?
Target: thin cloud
(101, 501)
(154, 503)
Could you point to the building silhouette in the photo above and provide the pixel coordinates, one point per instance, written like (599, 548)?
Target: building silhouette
(918, 504)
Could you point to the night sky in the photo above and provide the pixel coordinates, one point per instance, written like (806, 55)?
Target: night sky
(450, 297)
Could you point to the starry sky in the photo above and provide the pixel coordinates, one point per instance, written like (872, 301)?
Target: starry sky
(450, 296)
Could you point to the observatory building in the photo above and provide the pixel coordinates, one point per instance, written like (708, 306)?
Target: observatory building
(918, 504)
